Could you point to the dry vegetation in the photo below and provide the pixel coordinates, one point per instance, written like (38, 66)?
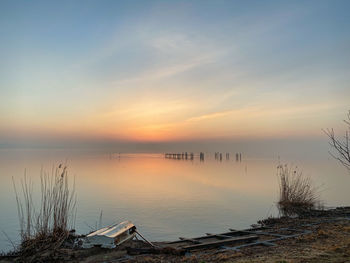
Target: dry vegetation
(297, 194)
(46, 226)
(341, 147)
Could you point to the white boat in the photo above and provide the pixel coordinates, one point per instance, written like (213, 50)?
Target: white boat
(111, 236)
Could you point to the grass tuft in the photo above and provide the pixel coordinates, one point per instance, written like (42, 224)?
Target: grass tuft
(297, 194)
(47, 225)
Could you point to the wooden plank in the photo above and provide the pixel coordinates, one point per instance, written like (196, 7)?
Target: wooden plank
(251, 229)
(208, 236)
(241, 231)
(269, 234)
(218, 235)
(262, 233)
(259, 232)
(223, 236)
(190, 240)
(228, 234)
(222, 242)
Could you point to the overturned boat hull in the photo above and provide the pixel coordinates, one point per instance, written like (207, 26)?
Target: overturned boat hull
(111, 236)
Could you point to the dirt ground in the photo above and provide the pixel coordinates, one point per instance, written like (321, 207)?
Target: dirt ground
(329, 241)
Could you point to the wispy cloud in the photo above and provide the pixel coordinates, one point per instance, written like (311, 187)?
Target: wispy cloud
(210, 116)
(173, 60)
(165, 72)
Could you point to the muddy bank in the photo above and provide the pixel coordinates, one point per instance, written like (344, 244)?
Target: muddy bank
(326, 238)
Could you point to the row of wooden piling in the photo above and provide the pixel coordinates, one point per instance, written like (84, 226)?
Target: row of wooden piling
(219, 156)
(180, 156)
(190, 156)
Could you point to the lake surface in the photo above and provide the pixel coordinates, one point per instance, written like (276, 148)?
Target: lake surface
(165, 198)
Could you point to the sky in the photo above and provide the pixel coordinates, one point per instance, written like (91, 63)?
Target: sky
(104, 72)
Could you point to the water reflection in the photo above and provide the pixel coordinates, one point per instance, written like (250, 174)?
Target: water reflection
(164, 197)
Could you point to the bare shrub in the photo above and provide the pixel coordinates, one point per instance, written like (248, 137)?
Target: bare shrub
(297, 195)
(56, 212)
(341, 147)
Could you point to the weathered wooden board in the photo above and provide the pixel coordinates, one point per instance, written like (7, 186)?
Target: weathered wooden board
(218, 243)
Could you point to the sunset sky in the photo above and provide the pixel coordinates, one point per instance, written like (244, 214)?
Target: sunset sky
(167, 71)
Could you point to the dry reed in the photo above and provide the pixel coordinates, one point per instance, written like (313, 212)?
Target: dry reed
(50, 223)
(297, 194)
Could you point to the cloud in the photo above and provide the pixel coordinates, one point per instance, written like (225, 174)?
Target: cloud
(169, 70)
(210, 116)
(171, 43)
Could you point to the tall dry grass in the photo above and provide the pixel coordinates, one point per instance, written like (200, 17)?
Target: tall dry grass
(297, 193)
(55, 215)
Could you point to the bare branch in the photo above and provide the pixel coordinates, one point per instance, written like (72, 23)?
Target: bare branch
(341, 149)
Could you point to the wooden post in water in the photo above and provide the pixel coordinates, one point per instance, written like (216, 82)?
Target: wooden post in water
(201, 156)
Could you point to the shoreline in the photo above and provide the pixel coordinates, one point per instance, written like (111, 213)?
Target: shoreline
(327, 240)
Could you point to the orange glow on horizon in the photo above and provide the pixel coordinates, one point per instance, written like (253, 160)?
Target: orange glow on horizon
(178, 121)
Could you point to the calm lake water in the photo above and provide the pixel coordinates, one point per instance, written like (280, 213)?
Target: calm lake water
(165, 198)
